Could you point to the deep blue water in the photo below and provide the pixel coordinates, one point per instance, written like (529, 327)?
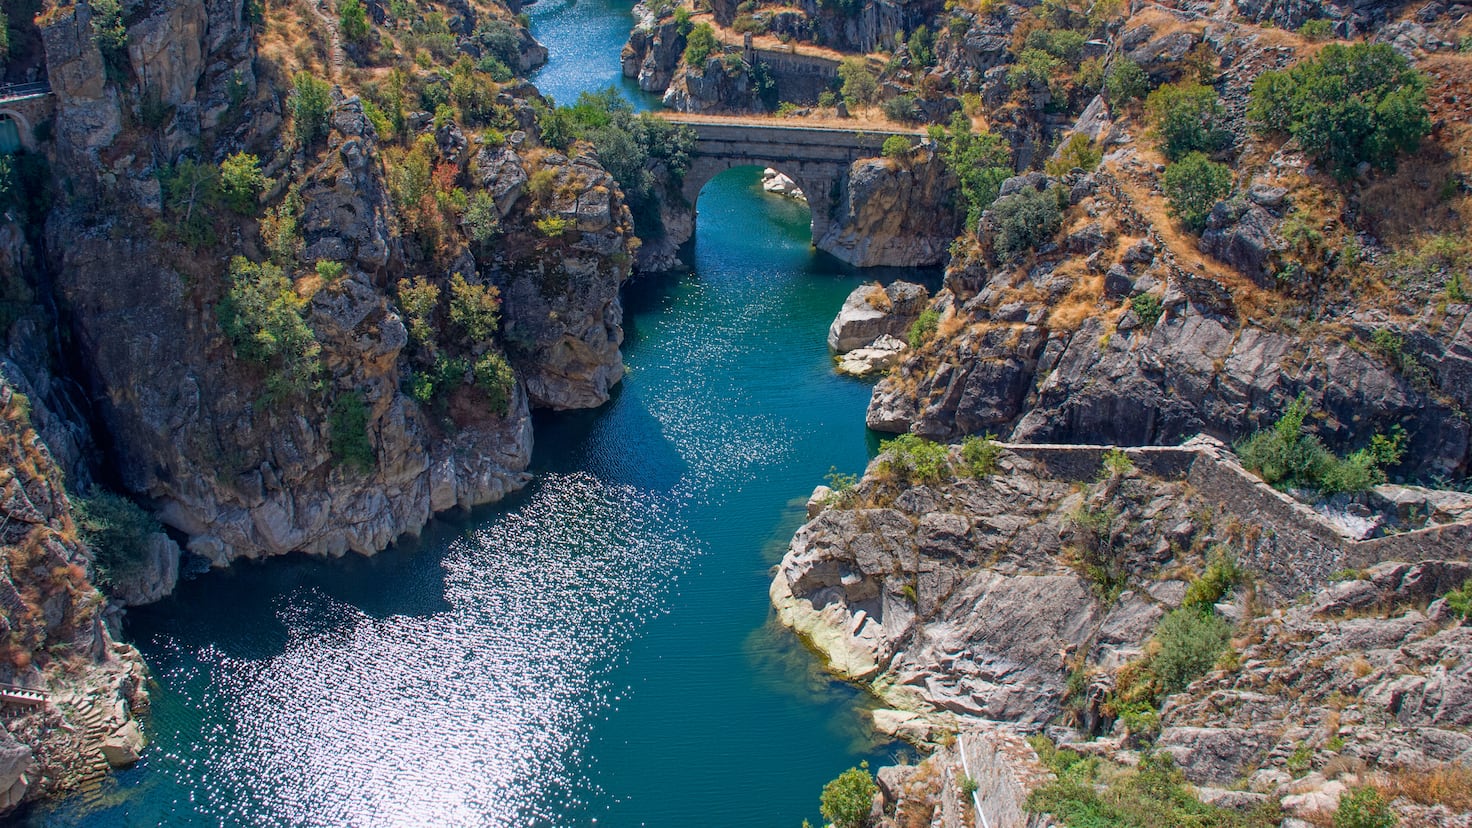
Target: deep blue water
(596, 648)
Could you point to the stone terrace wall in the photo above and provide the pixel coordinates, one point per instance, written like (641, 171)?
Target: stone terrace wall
(1292, 547)
(1005, 769)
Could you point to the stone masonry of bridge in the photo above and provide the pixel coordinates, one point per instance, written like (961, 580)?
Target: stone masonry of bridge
(819, 159)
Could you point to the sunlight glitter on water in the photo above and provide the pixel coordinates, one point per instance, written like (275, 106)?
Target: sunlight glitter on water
(470, 716)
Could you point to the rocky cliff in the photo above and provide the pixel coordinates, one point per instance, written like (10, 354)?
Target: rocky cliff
(896, 213)
(84, 686)
(1035, 585)
(389, 424)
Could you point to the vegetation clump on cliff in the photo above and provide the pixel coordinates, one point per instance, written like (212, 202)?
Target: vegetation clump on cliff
(1289, 456)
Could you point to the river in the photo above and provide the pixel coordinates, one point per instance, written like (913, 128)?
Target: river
(596, 650)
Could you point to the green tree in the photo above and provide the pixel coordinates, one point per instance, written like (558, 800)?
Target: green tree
(311, 108)
(895, 146)
(980, 163)
(1025, 221)
(1125, 81)
(859, 83)
(266, 321)
(847, 800)
(476, 309)
(1187, 117)
(698, 46)
(1190, 642)
(494, 376)
(241, 182)
(1346, 105)
(418, 299)
(921, 46)
(1194, 185)
(352, 19)
(191, 192)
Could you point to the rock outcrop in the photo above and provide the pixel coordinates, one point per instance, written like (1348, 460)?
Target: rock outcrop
(653, 52)
(872, 311)
(57, 641)
(895, 213)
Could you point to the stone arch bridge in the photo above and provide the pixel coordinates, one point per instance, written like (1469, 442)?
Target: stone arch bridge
(817, 158)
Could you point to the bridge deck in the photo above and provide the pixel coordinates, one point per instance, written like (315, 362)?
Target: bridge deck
(12, 92)
(794, 124)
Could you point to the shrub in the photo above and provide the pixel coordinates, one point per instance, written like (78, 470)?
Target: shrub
(900, 108)
(921, 46)
(1392, 347)
(698, 45)
(1190, 642)
(311, 108)
(896, 146)
(1187, 117)
(1034, 69)
(1317, 29)
(1125, 81)
(117, 531)
(846, 800)
(1077, 153)
(1364, 808)
(494, 376)
(553, 227)
(1025, 221)
(859, 84)
(980, 163)
(980, 454)
(482, 219)
(1459, 601)
(1147, 308)
(4, 39)
(1286, 455)
(329, 270)
(418, 299)
(111, 36)
(1346, 105)
(475, 309)
(1194, 185)
(241, 182)
(1116, 463)
(1153, 795)
(265, 321)
(352, 19)
(1065, 44)
(923, 327)
(347, 428)
(1220, 576)
(913, 459)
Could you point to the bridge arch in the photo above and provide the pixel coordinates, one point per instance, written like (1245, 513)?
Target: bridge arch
(818, 158)
(816, 189)
(23, 138)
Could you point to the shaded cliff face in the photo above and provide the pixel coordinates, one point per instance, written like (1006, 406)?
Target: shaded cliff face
(506, 252)
(55, 640)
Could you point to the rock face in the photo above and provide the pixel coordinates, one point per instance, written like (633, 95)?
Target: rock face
(892, 213)
(1020, 369)
(872, 311)
(1028, 592)
(716, 87)
(653, 51)
(56, 641)
(959, 597)
(188, 421)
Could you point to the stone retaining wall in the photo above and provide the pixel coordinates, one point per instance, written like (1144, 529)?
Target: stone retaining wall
(1293, 548)
(1005, 769)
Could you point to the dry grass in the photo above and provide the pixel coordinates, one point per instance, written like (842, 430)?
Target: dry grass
(1449, 785)
(294, 39)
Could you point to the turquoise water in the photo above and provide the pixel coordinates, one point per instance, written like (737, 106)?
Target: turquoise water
(598, 649)
(584, 39)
